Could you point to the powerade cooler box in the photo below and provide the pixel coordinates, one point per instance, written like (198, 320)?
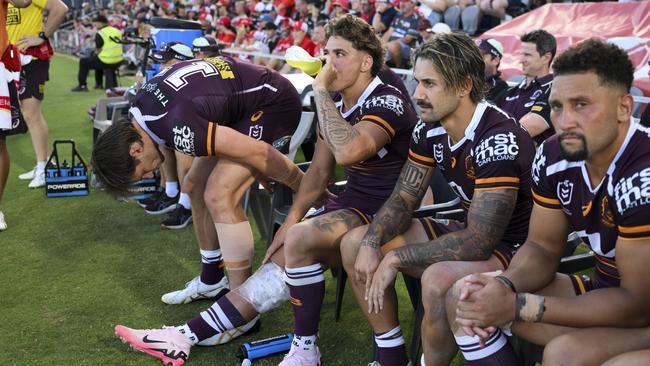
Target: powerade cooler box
(167, 30)
(63, 178)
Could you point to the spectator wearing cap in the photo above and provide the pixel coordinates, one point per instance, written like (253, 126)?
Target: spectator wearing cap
(300, 38)
(536, 54)
(402, 35)
(108, 54)
(206, 46)
(243, 28)
(367, 10)
(226, 34)
(427, 31)
(339, 7)
(492, 51)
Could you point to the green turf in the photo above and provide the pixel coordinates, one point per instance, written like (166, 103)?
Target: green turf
(73, 268)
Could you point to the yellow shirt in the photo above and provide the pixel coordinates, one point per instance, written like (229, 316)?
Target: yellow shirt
(26, 21)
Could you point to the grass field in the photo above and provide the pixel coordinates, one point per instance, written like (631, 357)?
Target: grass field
(72, 268)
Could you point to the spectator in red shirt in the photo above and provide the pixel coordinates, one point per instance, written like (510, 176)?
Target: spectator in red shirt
(284, 7)
(225, 32)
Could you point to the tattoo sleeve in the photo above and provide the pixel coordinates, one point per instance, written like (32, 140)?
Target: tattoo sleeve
(487, 220)
(336, 131)
(394, 217)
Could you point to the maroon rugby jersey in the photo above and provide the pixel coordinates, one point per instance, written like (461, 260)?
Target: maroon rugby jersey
(519, 99)
(182, 105)
(371, 181)
(617, 207)
(495, 153)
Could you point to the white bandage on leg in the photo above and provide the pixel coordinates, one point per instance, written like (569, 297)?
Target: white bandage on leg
(265, 289)
(236, 242)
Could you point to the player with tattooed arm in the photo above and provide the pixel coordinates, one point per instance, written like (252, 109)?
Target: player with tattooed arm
(486, 157)
(591, 178)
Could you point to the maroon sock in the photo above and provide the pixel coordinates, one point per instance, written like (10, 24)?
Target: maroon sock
(211, 266)
(307, 290)
(219, 317)
(390, 348)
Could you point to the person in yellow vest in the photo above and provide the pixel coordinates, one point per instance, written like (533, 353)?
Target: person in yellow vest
(108, 54)
(27, 31)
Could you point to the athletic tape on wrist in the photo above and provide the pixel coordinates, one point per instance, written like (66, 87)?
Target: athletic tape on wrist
(529, 307)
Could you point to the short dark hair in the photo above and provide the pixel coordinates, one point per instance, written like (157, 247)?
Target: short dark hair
(609, 62)
(457, 59)
(362, 37)
(112, 164)
(544, 42)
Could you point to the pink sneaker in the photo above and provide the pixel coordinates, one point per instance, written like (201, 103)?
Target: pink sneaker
(299, 357)
(167, 344)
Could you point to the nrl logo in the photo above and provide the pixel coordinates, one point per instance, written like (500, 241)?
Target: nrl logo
(565, 191)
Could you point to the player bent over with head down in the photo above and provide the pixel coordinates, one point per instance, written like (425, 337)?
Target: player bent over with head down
(225, 113)
(592, 178)
(486, 158)
(365, 128)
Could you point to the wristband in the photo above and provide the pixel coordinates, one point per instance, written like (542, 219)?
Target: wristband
(506, 281)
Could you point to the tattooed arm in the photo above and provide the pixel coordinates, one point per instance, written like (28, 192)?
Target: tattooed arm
(394, 217)
(349, 144)
(487, 220)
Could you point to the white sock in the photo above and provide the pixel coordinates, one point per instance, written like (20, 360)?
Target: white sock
(185, 329)
(210, 256)
(305, 343)
(40, 165)
(184, 200)
(171, 188)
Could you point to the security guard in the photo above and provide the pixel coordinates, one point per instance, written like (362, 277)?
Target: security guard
(108, 55)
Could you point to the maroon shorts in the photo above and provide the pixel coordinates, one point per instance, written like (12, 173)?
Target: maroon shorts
(278, 118)
(341, 203)
(32, 79)
(435, 228)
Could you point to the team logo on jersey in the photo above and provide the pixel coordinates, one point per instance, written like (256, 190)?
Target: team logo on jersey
(438, 153)
(256, 116)
(389, 102)
(533, 98)
(633, 191)
(157, 94)
(538, 163)
(184, 138)
(469, 167)
(417, 130)
(606, 214)
(565, 191)
(256, 132)
(498, 147)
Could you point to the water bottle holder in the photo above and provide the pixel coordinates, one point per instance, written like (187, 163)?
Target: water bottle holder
(64, 181)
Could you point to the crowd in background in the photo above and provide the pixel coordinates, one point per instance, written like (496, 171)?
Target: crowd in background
(272, 26)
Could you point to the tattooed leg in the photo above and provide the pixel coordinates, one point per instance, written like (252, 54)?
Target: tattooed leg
(317, 239)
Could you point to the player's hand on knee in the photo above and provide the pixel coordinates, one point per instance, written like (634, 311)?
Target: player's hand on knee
(366, 264)
(383, 277)
(485, 301)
